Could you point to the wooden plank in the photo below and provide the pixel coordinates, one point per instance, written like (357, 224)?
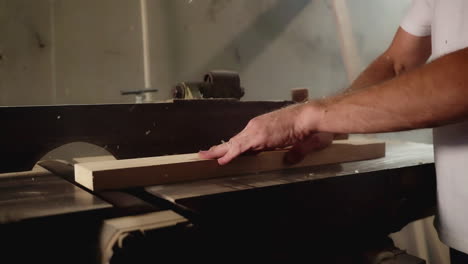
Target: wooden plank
(128, 173)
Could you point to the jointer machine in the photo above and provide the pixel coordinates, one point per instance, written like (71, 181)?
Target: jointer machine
(337, 213)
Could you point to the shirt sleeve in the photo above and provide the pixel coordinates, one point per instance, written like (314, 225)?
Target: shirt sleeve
(418, 19)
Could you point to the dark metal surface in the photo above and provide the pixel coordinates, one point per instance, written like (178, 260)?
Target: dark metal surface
(216, 84)
(222, 84)
(347, 206)
(126, 131)
(340, 211)
(39, 194)
(119, 199)
(398, 155)
(137, 92)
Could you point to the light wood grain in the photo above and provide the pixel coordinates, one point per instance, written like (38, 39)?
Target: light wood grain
(118, 174)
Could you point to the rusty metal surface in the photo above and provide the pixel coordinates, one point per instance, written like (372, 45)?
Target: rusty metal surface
(398, 155)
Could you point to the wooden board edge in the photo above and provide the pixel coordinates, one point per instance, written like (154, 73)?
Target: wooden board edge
(118, 178)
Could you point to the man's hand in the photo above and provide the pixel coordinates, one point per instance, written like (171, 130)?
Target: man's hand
(314, 142)
(278, 129)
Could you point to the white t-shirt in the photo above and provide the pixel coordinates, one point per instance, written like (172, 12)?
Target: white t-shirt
(447, 23)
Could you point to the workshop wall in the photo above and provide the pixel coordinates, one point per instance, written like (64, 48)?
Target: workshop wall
(25, 76)
(274, 45)
(277, 45)
(69, 52)
(86, 52)
(98, 50)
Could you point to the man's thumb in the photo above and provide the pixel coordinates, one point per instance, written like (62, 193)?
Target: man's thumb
(294, 155)
(301, 149)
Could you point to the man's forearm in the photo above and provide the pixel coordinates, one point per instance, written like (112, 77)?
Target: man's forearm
(429, 96)
(380, 70)
(409, 101)
(406, 53)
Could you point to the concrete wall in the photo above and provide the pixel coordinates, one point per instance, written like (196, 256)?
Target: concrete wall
(25, 76)
(274, 45)
(98, 48)
(86, 52)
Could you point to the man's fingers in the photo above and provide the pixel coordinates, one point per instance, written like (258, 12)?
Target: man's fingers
(228, 151)
(230, 155)
(235, 149)
(225, 152)
(214, 152)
